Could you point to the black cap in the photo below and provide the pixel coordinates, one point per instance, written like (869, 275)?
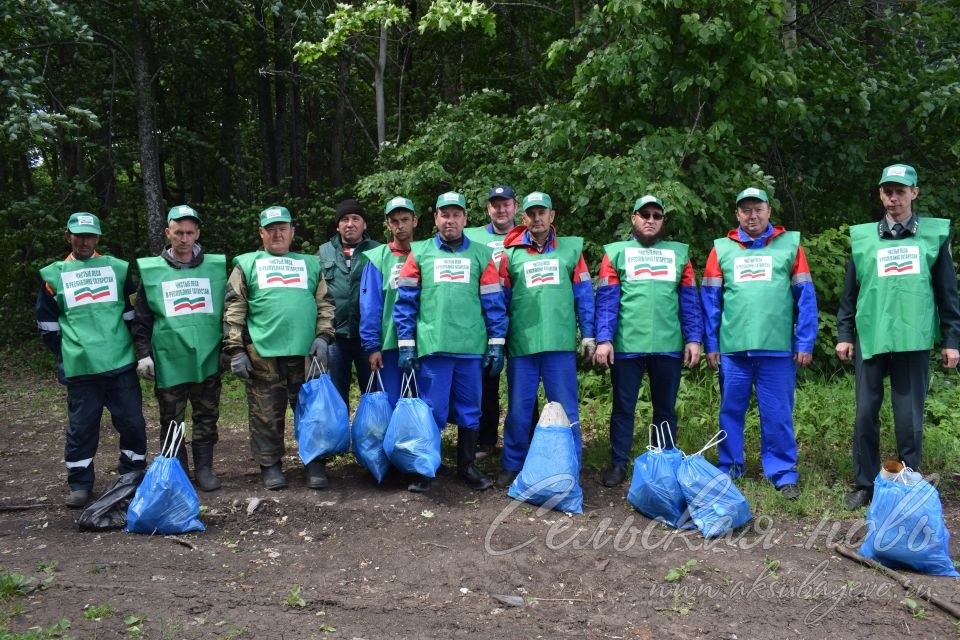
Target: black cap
(348, 206)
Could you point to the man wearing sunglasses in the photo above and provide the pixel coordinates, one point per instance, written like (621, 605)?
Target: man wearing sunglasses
(648, 321)
(760, 320)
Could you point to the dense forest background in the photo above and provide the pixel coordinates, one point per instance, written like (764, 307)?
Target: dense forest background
(126, 107)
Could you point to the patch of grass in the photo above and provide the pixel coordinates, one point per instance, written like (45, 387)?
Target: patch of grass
(295, 598)
(676, 574)
(98, 612)
(58, 629)
(13, 585)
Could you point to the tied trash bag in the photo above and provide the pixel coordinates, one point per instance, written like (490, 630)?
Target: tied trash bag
(412, 440)
(109, 511)
(716, 505)
(654, 490)
(905, 527)
(165, 501)
(550, 474)
(320, 421)
(369, 427)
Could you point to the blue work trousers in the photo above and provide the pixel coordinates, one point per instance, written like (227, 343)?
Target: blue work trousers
(626, 376)
(391, 375)
(439, 375)
(345, 354)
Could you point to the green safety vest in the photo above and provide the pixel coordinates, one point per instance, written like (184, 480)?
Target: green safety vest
(187, 305)
(389, 265)
(896, 309)
(450, 319)
(89, 293)
(542, 316)
(492, 240)
(757, 300)
(649, 318)
(281, 302)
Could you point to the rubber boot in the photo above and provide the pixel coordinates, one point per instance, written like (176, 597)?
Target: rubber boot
(317, 474)
(466, 455)
(420, 485)
(203, 466)
(272, 476)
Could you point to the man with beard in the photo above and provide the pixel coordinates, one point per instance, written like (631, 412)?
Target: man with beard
(451, 325)
(648, 321)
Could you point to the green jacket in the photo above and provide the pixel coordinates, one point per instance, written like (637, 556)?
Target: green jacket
(344, 283)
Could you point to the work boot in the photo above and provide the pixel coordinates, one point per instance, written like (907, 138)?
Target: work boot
(466, 455)
(272, 476)
(614, 476)
(420, 485)
(78, 498)
(506, 478)
(317, 474)
(485, 451)
(203, 466)
(857, 498)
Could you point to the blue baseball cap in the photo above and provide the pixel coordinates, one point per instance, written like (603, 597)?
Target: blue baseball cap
(501, 191)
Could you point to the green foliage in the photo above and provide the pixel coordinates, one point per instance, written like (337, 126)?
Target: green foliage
(677, 574)
(294, 598)
(15, 584)
(98, 612)
(58, 629)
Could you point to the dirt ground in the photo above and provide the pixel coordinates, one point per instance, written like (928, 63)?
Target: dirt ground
(378, 562)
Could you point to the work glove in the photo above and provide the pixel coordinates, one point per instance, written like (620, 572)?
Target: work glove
(493, 360)
(241, 366)
(319, 350)
(145, 368)
(407, 359)
(588, 347)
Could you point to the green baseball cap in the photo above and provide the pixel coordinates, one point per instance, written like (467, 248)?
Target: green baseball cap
(83, 222)
(274, 214)
(645, 200)
(182, 211)
(537, 199)
(900, 173)
(451, 199)
(752, 192)
(399, 202)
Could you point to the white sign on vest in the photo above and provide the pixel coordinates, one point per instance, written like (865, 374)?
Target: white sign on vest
(753, 269)
(537, 273)
(451, 270)
(898, 261)
(280, 271)
(647, 263)
(89, 286)
(187, 296)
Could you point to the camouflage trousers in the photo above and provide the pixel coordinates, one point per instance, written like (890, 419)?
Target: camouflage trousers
(204, 400)
(273, 386)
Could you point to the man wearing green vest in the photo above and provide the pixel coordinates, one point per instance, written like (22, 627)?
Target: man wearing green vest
(177, 332)
(549, 293)
(378, 293)
(754, 279)
(502, 211)
(82, 310)
(451, 325)
(339, 258)
(899, 300)
(648, 321)
(277, 310)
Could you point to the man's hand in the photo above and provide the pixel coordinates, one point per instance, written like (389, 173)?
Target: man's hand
(407, 360)
(603, 356)
(376, 360)
(319, 350)
(691, 354)
(713, 359)
(493, 360)
(241, 366)
(802, 358)
(845, 351)
(145, 368)
(588, 347)
(950, 357)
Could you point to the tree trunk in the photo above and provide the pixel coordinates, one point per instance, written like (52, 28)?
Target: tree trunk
(281, 82)
(230, 123)
(298, 141)
(264, 101)
(872, 10)
(789, 26)
(146, 130)
(339, 122)
(378, 71)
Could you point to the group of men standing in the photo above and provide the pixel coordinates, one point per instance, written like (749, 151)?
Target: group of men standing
(454, 309)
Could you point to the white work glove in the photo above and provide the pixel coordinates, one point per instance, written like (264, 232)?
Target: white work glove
(145, 368)
(318, 350)
(241, 366)
(588, 347)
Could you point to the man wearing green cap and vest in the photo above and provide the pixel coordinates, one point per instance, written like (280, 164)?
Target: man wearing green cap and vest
(899, 300)
(548, 293)
(451, 325)
(177, 332)
(277, 310)
(648, 321)
(378, 293)
(754, 280)
(502, 211)
(82, 309)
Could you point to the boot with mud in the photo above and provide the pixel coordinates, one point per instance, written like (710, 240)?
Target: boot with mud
(466, 455)
(203, 467)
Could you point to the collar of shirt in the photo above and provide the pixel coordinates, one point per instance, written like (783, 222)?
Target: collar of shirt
(529, 241)
(394, 249)
(885, 226)
(445, 247)
(491, 229)
(754, 243)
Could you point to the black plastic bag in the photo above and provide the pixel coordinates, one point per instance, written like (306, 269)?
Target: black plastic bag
(109, 511)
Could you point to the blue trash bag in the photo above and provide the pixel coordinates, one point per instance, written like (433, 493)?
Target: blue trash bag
(654, 490)
(905, 528)
(165, 502)
(551, 474)
(412, 440)
(716, 505)
(320, 421)
(369, 427)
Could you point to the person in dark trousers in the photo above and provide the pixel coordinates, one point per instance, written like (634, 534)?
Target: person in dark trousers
(339, 258)
(900, 290)
(83, 309)
(178, 331)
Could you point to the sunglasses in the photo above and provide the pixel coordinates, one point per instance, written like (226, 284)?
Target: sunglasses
(646, 215)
